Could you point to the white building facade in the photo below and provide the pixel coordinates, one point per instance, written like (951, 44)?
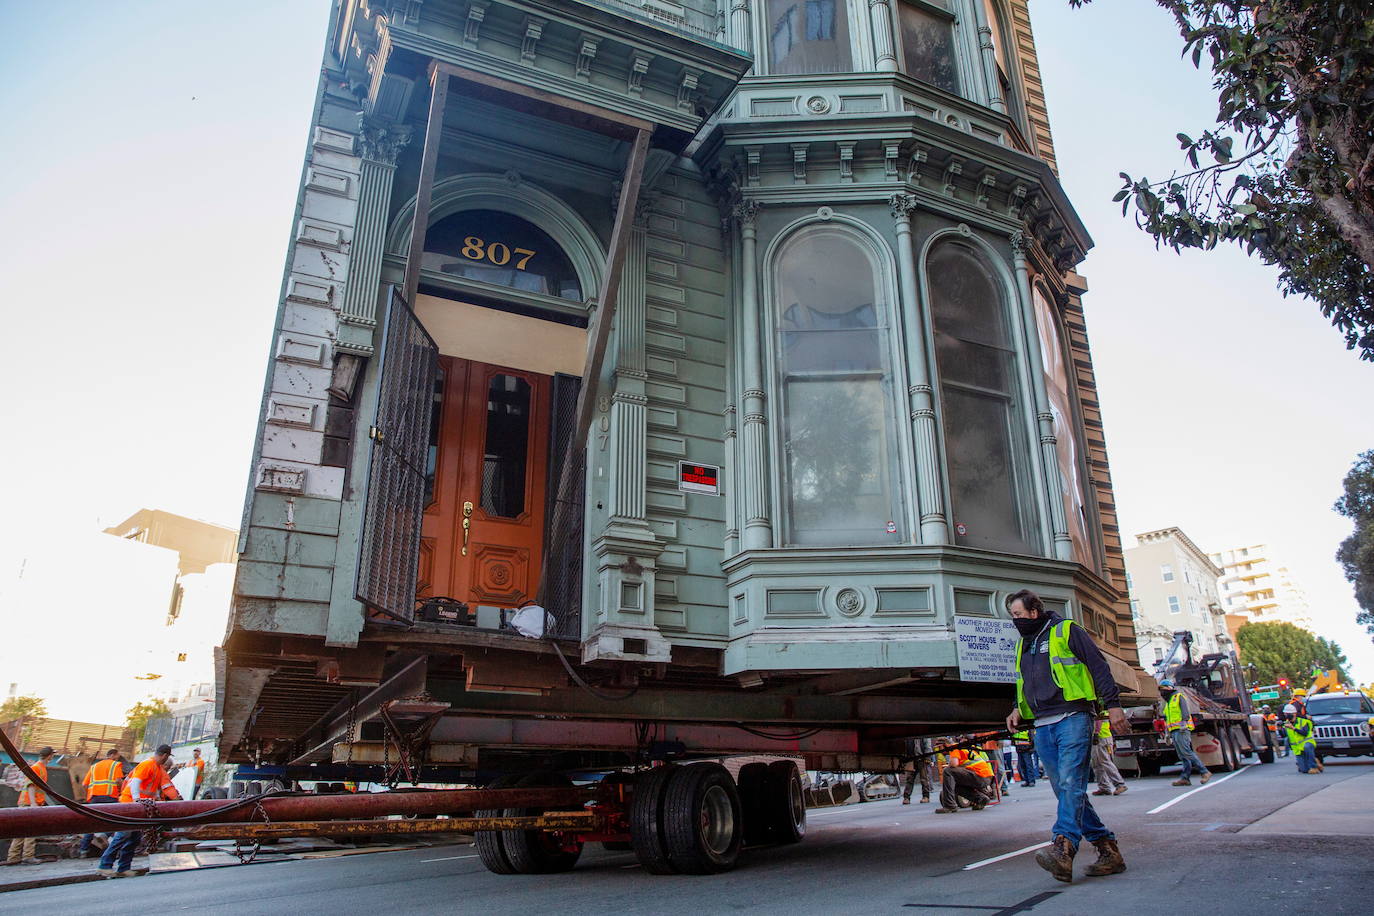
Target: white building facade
(1256, 589)
(1173, 586)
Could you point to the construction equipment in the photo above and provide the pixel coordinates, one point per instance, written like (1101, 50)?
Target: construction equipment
(1227, 727)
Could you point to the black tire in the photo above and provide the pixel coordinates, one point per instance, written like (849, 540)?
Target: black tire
(490, 849)
(646, 820)
(753, 799)
(1148, 766)
(1229, 761)
(702, 823)
(215, 792)
(785, 802)
(538, 852)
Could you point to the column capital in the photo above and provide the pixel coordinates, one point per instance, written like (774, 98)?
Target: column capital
(1018, 243)
(746, 212)
(380, 141)
(903, 205)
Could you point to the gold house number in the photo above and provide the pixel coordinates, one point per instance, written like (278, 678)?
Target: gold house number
(498, 253)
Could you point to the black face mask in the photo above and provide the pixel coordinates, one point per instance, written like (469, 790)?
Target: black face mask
(1028, 626)
(1166, 693)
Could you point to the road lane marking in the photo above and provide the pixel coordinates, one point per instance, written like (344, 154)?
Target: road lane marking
(1006, 855)
(1207, 785)
(447, 859)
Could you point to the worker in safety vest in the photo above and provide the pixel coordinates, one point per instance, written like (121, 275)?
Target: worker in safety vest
(1062, 680)
(148, 781)
(1178, 719)
(1271, 722)
(1302, 739)
(103, 783)
(1026, 764)
(1109, 781)
(921, 767)
(22, 850)
(968, 776)
(198, 762)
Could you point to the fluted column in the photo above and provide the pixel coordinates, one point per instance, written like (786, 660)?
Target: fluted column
(741, 31)
(378, 145)
(929, 489)
(884, 45)
(758, 521)
(1051, 487)
(629, 403)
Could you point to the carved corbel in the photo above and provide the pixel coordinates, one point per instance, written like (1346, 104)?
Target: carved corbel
(920, 155)
(534, 30)
(953, 169)
(687, 88)
(846, 163)
(472, 28)
(799, 162)
(891, 150)
(586, 53)
(1016, 202)
(753, 155)
(986, 186)
(639, 65)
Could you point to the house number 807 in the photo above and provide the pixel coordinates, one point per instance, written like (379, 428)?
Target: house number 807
(475, 249)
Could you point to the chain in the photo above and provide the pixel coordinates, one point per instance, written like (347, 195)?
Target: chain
(352, 725)
(246, 858)
(152, 837)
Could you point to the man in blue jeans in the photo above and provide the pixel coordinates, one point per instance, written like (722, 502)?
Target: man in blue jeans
(1060, 677)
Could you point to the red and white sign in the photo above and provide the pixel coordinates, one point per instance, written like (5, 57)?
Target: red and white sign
(698, 478)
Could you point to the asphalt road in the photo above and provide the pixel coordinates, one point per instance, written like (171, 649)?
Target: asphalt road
(1194, 855)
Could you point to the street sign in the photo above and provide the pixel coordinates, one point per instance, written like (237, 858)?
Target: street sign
(1265, 695)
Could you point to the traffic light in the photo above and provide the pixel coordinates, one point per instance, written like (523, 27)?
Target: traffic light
(1283, 683)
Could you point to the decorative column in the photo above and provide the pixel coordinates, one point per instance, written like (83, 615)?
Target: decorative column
(741, 33)
(379, 144)
(929, 490)
(884, 45)
(758, 522)
(1051, 487)
(626, 552)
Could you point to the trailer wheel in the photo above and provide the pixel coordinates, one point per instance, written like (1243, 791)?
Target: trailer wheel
(1266, 753)
(538, 852)
(1148, 766)
(646, 820)
(753, 799)
(490, 849)
(701, 819)
(785, 802)
(1228, 751)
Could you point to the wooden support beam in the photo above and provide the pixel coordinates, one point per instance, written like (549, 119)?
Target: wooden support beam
(434, 132)
(598, 335)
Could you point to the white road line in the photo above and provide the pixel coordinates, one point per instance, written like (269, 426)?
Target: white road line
(1207, 785)
(1006, 855)
(447, 859)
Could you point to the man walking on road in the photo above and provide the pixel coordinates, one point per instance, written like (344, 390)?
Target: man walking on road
(22, 850)
(149, 780)
(923, 767)
(1060, 676)
(1026, 764)
(1178, 719)
(1109, 781)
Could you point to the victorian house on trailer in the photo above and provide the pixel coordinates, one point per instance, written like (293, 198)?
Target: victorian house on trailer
(742, 337)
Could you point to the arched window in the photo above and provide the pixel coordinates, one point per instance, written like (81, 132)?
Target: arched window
(839, 439)
(808, 36)
(501, 249)
(1065, 430)
(985, 439)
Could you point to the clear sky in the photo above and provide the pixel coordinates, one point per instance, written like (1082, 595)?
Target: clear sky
(152, 154)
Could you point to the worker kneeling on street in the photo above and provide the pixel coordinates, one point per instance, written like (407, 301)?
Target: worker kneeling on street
(969, 776)
(1060, 677)
(1302, 738)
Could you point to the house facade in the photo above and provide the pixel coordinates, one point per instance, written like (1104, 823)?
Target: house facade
(744, 338)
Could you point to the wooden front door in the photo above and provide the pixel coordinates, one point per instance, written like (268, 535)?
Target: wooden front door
(483, 534)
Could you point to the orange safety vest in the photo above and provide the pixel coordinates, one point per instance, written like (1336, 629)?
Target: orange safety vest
(105, 778)
(153, 782)
(31, 794)
(978, 764)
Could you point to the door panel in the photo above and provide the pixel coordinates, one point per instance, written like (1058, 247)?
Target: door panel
(483, 530)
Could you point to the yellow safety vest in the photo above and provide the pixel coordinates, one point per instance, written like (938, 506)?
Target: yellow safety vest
(1070, 675)
(1173, 714)
(1301, 733)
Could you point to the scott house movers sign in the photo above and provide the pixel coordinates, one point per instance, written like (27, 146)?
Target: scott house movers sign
(987, 649)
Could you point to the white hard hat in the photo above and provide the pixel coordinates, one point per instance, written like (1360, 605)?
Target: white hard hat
(1290, 708)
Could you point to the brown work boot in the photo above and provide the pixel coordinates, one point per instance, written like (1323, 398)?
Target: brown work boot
(1206, 775)
(1119, 789)
(1057, 859)
(1109, 861)
(1101, 792)
(1181, 781)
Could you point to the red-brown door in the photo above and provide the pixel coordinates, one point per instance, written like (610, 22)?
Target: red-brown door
(483, 532)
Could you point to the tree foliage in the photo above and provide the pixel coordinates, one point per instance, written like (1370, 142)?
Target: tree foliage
(1287, 171)
(138, 715)
(1282, 650)
(17, 707)
(1356, 553)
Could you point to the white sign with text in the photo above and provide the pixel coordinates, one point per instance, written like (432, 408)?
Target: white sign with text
(987, 649)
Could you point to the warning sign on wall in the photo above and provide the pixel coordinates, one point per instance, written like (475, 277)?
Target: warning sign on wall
(987, 649)
(698, 478)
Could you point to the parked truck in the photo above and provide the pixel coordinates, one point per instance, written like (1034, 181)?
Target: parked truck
(1226, 725)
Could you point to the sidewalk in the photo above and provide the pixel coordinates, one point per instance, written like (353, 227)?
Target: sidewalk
(1343, 809)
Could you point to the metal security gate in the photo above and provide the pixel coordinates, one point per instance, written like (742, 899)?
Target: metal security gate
(563, 598)
(408, 361)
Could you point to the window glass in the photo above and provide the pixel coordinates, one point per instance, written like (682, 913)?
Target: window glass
(808, 36)
(501, 249)
(1166, 572)
(1071, 481)
(507, 448)
(1174, 606)
(839, 438)
(928, 46)
(982, 420)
